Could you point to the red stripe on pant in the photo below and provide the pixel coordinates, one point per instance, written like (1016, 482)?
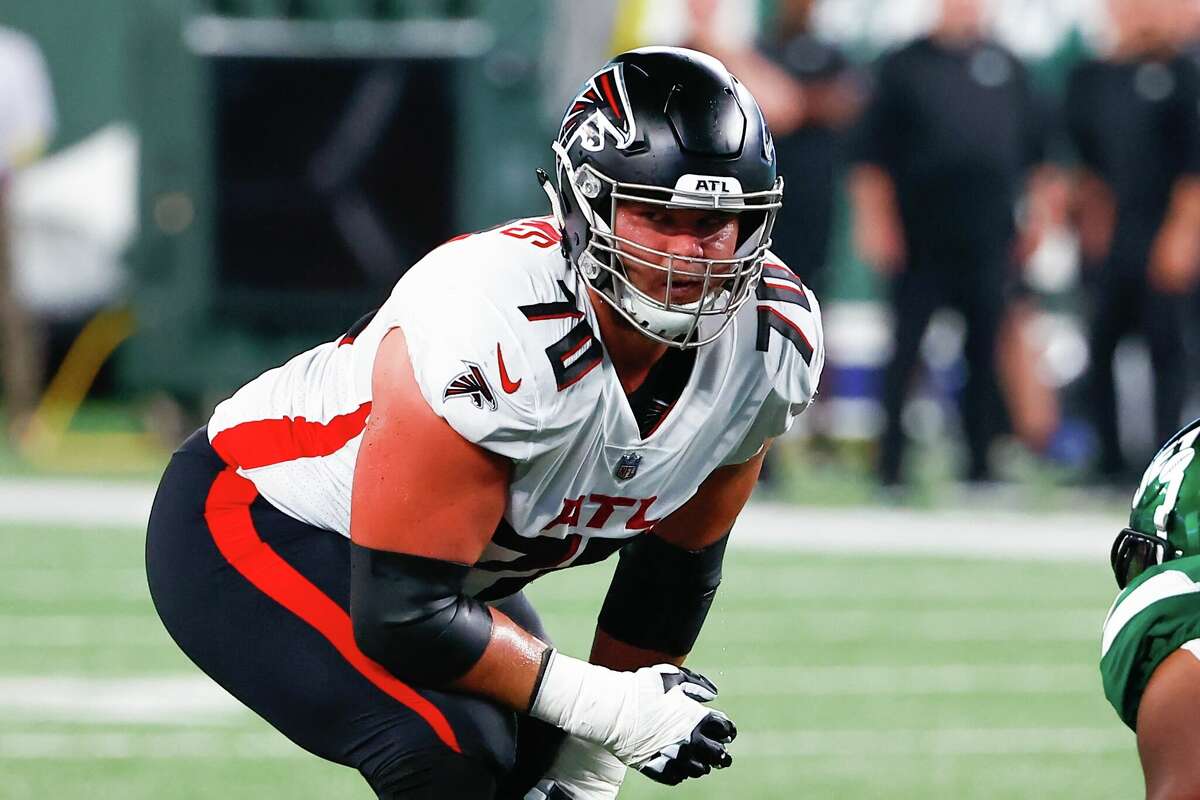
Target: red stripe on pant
(227, 512)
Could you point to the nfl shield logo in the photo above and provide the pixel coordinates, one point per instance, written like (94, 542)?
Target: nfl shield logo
(627, 467)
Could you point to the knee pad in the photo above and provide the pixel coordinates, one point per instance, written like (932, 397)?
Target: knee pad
(433, 775)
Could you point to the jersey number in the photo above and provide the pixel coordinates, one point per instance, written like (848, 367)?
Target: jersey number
(780, 284)
(578, 352)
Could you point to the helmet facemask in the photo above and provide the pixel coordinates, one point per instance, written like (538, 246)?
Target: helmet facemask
(727, 283)
(1164, 520)
(1134, 552)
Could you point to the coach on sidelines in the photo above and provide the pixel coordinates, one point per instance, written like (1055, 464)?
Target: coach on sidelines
(942, 153)
(1134, 119)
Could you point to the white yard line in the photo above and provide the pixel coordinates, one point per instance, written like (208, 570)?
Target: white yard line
(813, 743)
(196, 701)
(940, 679)
(52, 501)
(177, 700)
(1042, 536)
(730, 626)
(907, 743)
(146, 745)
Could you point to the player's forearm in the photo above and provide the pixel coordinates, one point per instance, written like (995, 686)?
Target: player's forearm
(508, 670)
(412, 616)
(873, 192)
(609, 651)
(1184, 209)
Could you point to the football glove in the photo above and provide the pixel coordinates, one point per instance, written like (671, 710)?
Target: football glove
(581, 771)
(652, 719)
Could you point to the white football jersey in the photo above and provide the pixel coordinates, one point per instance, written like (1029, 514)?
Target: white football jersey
(506, 348)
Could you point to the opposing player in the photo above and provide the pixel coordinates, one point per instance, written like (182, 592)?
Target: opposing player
(1151, 647)
(345, 545)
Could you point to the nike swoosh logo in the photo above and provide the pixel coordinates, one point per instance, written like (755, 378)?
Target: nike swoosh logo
(506, 383)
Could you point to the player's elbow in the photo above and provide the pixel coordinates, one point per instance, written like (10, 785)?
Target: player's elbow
(1180, 787)
(409, 615)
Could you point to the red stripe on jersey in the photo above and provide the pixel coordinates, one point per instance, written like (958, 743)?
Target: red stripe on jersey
(781, 272)
(263, 442)
(584, 342)
(563, 315)
(789, 323)
(599, 360)
(345, 340)
(784, 287)
(227, 512)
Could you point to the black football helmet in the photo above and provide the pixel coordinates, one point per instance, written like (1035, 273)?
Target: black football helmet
(666, 126)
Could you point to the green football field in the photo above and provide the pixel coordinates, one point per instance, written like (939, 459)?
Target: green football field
(864, 677)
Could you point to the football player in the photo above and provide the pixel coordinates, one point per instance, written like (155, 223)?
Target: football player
(1150, 654)
(344, 547)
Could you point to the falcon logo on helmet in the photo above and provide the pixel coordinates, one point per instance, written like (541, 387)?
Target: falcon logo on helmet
(473, 385)
(687, 135)
(600, 109)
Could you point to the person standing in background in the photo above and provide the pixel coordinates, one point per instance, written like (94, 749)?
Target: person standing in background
(26, 125)
(944, 150)
(811, 95)
(1134, 121)
(811, 150)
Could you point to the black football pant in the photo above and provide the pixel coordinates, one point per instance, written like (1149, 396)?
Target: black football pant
(260, 602)
(975, 286)
(1125, 304)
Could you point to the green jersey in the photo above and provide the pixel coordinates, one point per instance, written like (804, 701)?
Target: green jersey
(1156, 614)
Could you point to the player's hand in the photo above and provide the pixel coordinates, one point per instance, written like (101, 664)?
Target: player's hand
(581, 771)
(704, 747)
(653, 720)
(1175, 259)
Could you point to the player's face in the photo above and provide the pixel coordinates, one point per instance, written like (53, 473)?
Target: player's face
(686, 234)
(1138, 21)
(963, 17)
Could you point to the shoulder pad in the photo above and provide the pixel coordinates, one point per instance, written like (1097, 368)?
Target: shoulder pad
(482, 322)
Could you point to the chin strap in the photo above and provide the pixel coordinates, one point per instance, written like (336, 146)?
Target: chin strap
(551, 193)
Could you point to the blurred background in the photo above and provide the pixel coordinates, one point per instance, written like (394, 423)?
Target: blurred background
(997, 202)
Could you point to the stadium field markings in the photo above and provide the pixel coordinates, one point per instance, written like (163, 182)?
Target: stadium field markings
(766, 525)
(940, 742)
(814, 743)
(196, 700)
(731, 627)
(939, 679)
(157, 699)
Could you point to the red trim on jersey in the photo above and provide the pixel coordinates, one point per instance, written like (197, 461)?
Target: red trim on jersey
(782, 272)
(227, 512)
(789, 323)
(263, 442)
(584, 342)
(545, 227)
(345, 340)
(599, 360)
(786, 286)
(563, 315)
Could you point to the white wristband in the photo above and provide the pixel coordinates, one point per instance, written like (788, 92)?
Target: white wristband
(633, 715)
(585, 700)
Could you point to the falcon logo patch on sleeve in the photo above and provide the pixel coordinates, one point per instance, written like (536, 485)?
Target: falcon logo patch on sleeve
(473, 385)
(601, 109)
